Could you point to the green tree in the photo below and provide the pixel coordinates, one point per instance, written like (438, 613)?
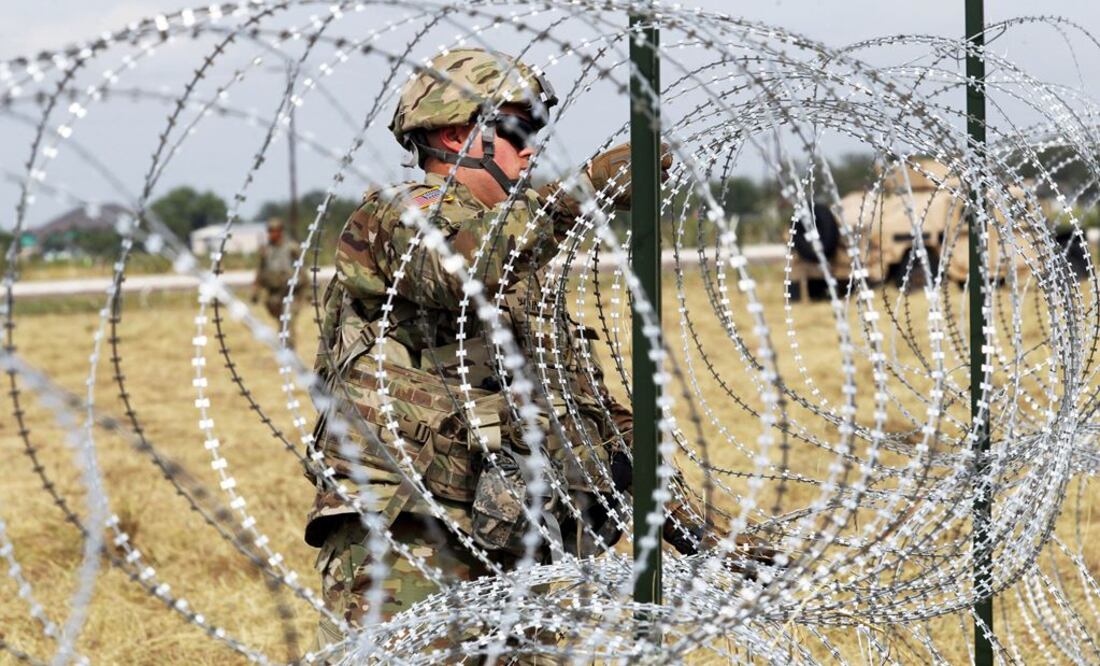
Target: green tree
(97, 242)
(6, 240)
(853, 172)
(184, 210)
(59, 242)
(1074, 174)
(338, 211)
(738, 195)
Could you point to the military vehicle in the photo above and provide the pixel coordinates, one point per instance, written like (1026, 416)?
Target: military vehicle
(882, 222)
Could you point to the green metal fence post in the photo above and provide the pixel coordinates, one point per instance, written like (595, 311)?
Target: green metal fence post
(976, 126)
(645, 138)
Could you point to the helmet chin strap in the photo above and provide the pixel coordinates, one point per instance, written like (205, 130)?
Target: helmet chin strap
(487, 160)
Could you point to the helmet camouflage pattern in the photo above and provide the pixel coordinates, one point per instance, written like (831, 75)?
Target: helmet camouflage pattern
(477, 79)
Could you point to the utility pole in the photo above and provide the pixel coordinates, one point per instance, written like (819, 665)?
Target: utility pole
(292, 146)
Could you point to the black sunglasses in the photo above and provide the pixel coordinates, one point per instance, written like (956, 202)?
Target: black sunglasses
(516, 130)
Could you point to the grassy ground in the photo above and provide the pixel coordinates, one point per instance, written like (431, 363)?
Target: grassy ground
(128, 626)
(139, 264)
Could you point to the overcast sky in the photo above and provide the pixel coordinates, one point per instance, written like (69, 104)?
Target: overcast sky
(27, 26)
(219, 158)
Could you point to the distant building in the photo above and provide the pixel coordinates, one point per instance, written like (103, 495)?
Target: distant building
(65, 234)
(244, 239)
(93, 230)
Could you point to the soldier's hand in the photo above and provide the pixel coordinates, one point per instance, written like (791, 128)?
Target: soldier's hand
(614, 165)
(748, 554)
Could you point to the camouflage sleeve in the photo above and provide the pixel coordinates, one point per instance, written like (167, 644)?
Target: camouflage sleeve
(565, 206)
(377, 250)
(622, 417)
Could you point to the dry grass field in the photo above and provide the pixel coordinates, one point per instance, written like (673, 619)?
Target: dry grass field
(127, 626)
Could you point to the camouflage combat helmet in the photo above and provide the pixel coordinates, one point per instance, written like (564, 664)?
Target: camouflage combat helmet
(479, 83)
(275, 224)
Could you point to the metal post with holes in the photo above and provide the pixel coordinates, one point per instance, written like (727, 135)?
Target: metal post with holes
(645, 246)
(982, 512)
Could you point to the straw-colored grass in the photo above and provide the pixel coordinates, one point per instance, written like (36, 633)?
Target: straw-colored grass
(126, 625)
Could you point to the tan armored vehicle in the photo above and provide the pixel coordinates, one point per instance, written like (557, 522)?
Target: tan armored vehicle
(883, 223)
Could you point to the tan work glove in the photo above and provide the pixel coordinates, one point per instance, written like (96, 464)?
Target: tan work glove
(749, 551)
(607, 166)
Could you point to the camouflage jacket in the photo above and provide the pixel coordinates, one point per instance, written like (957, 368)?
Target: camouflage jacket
(424, 368)
(276, 265)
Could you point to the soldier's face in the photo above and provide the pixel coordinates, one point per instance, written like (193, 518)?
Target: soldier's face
(274, 236)
(510, 154)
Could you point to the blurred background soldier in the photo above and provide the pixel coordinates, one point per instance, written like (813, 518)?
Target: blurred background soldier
(481, 125)
(273, 273)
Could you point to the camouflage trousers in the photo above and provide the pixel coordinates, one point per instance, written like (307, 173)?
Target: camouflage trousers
(273, 303)
(344, 565)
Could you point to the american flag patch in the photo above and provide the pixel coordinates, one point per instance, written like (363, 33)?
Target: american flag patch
(427, 199)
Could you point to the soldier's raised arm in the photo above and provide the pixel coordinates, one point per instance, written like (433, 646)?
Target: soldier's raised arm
(608, 174)
(385, 244)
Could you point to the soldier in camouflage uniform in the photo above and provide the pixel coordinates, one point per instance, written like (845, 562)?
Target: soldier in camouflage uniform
(492, 104)
(273, 273)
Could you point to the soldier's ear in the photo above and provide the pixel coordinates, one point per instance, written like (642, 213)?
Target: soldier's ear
(452, 139)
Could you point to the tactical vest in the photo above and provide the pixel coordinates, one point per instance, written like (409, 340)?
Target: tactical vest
(277, 265)
(435, 420)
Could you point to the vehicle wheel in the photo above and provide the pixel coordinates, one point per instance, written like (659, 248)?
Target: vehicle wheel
(795, 292)
(827, 229)
(1075, 250)
(917, 278)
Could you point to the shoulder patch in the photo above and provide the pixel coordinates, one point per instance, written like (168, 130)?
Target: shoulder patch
(427, 198)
